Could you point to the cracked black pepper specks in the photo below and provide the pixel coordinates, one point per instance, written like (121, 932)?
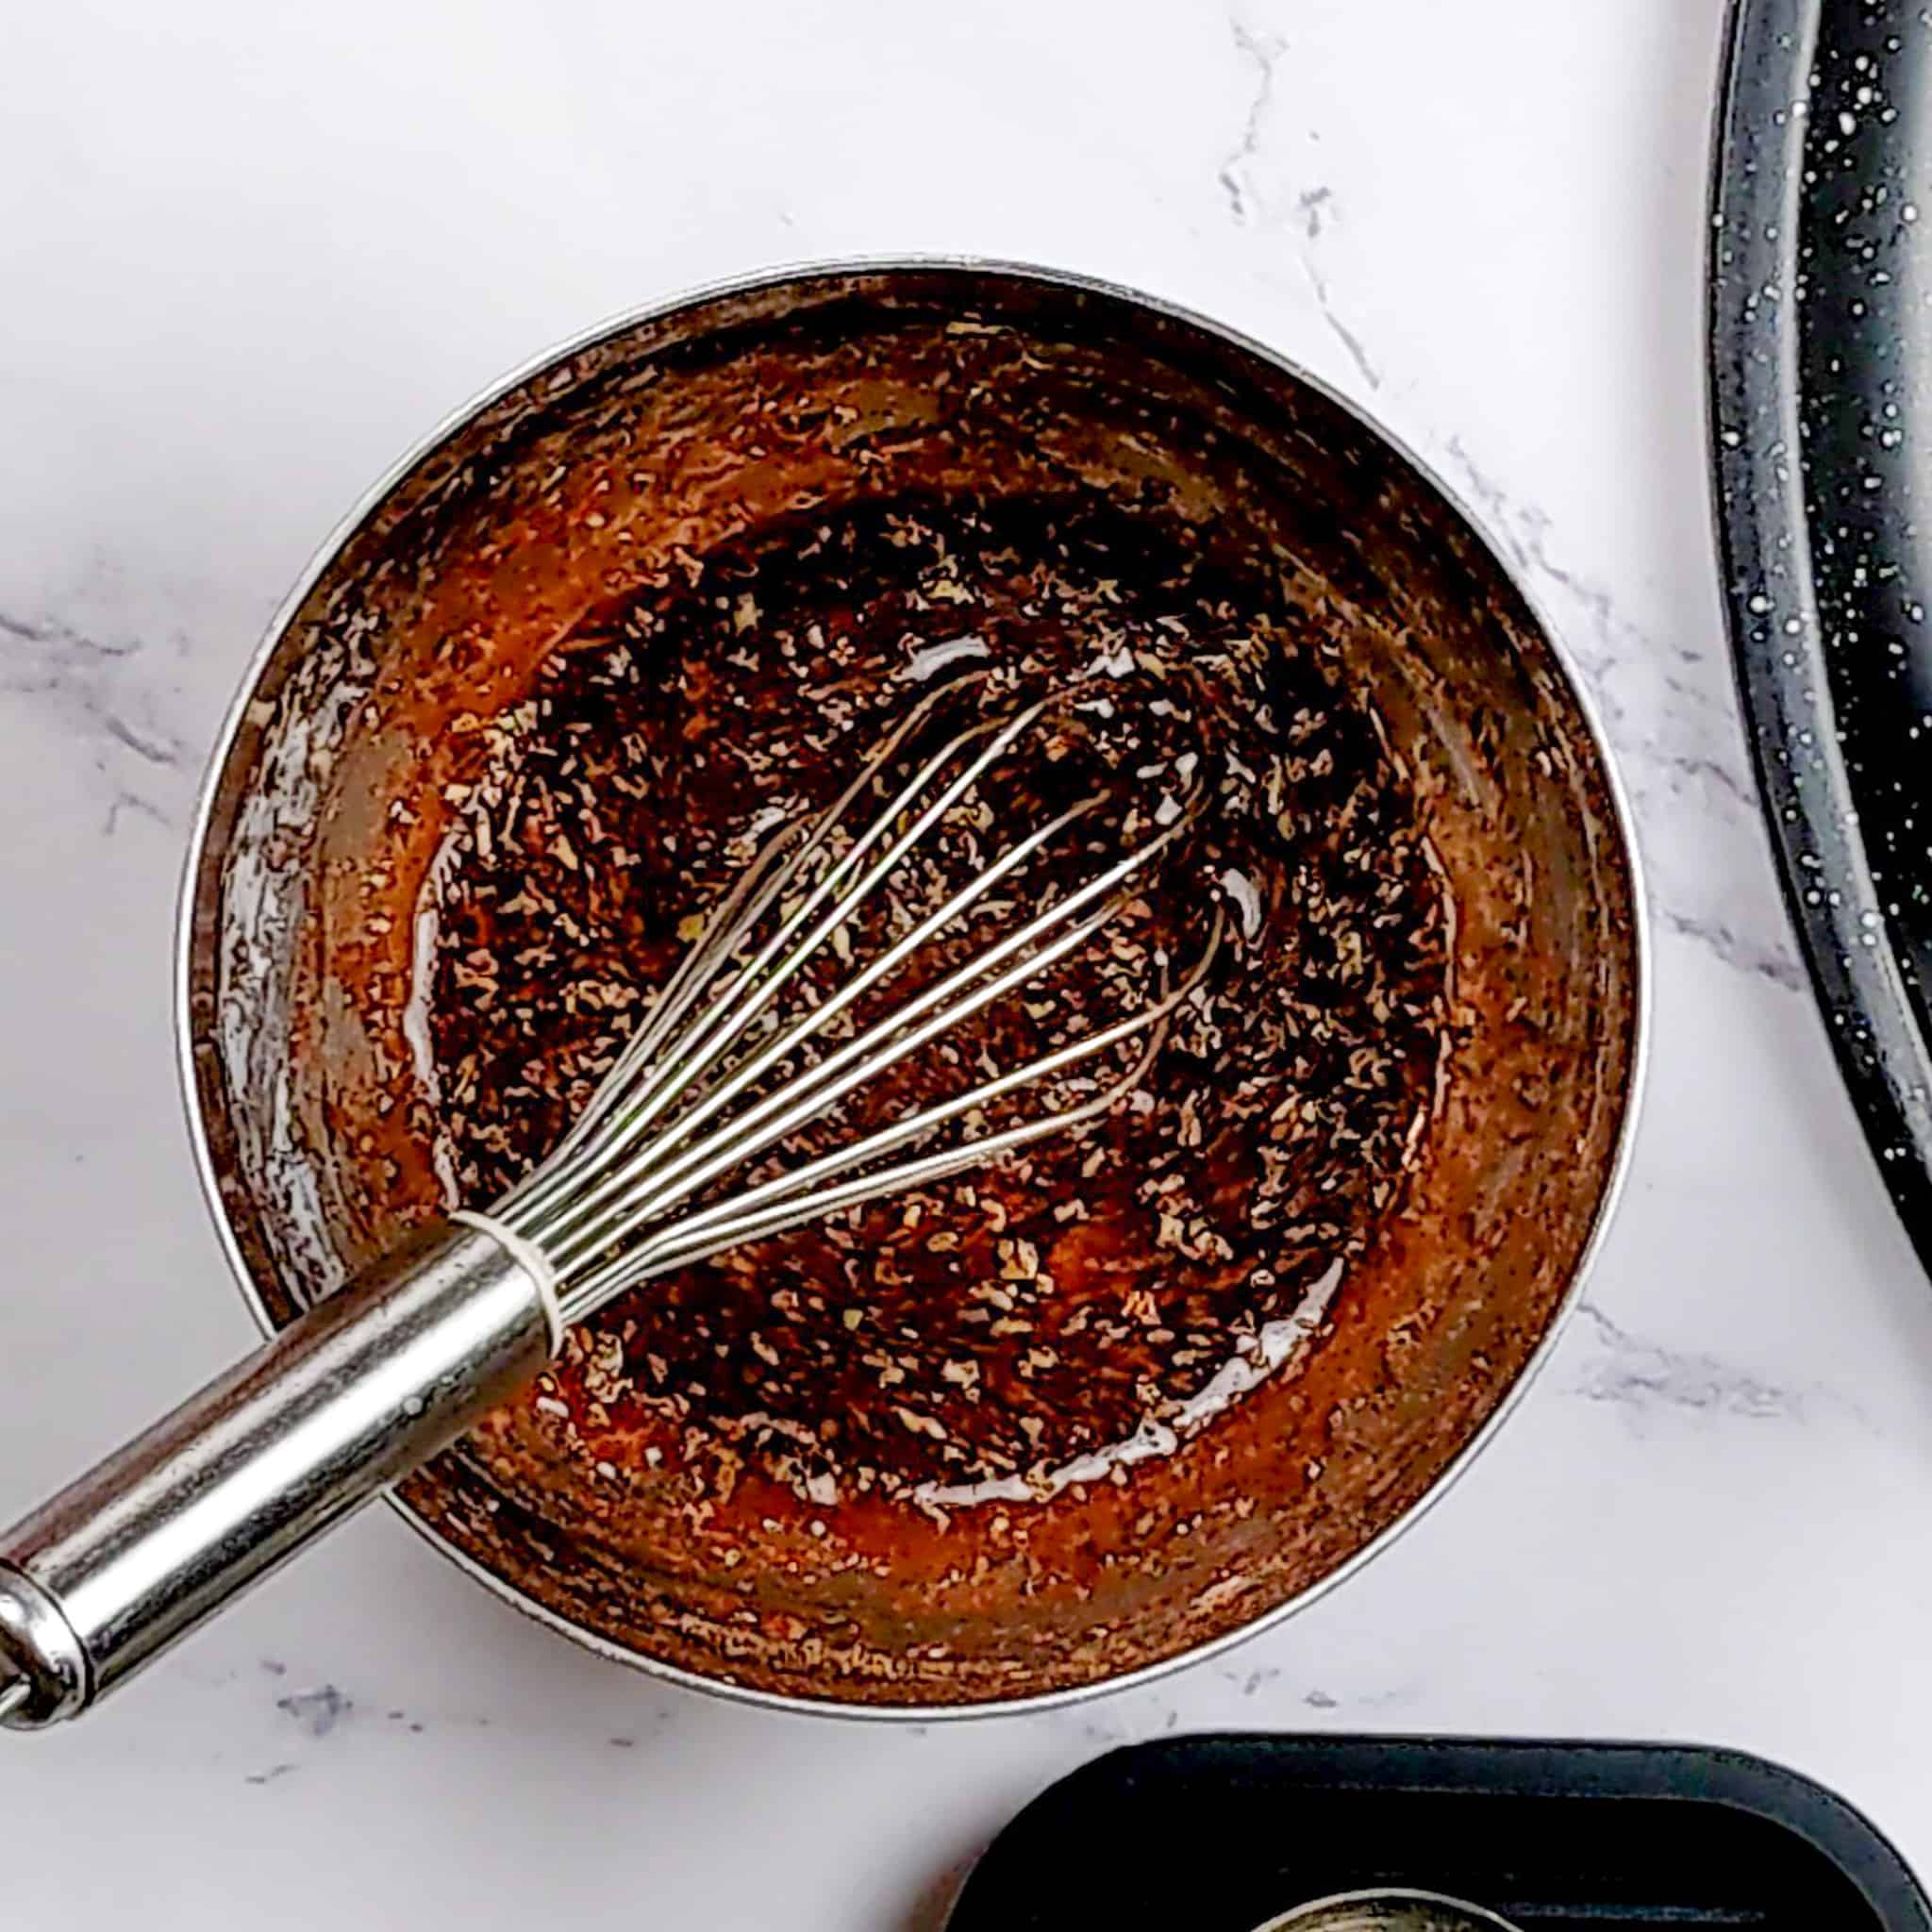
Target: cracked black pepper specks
(1000, 1326)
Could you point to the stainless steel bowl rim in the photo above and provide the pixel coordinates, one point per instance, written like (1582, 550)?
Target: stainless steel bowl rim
(1312, 1916)
(888, 264)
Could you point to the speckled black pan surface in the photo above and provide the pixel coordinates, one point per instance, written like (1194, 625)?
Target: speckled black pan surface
(1821, 352)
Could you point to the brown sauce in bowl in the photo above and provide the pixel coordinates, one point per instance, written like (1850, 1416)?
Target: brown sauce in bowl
(1075, 1306)
(602, 586)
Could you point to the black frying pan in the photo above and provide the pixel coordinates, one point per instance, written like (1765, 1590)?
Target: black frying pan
(1821, 352)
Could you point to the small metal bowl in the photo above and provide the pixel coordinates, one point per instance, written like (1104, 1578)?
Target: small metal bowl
(711, 415)
(1394, 1910)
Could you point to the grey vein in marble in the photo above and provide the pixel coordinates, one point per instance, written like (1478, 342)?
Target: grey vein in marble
(318, 1711)
(1642, 1376)
(1312, 206)
(1262, 52)
(1773, 963)
(1671, 720)
(106, 696)
(1251, 1681)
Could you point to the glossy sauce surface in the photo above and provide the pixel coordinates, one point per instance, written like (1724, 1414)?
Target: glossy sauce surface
(1012, 1330)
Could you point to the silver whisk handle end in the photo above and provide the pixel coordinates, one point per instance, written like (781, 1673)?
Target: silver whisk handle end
(44, 1665)
(359, 1390)
(14, 1692)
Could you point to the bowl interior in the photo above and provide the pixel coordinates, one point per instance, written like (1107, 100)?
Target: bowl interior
(675, 433)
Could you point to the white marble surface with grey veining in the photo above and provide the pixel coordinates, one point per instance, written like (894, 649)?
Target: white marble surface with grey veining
(249, 254)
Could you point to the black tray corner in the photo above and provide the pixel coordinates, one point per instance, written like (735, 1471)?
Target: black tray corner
(1223, 1833)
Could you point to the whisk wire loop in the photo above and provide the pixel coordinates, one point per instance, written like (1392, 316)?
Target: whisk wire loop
(638, 1088)
(720, 1072)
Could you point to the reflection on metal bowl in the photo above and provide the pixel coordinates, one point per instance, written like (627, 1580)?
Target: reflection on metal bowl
(1389, 1911)
(623, 465)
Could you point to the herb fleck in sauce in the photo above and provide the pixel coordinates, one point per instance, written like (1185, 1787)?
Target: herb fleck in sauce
(1011, 1323)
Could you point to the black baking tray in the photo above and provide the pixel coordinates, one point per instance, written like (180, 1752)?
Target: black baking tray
(1820, 342)
(1221, 1834)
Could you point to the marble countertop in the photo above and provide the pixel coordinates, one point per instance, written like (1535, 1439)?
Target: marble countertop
(250, 253)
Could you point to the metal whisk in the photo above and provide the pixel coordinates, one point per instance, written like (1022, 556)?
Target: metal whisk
(745, 1048)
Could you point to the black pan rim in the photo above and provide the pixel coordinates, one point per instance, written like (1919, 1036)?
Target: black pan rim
(1762, 527)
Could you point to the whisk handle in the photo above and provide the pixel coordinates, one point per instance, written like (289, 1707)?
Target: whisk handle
(357, 1393)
